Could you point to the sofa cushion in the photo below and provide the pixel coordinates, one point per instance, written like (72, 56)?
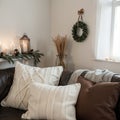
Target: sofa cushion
(6, 79)
(64, 79)
(7, 113)
(97, 101)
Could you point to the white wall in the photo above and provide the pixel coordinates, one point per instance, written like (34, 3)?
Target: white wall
(80, 55)
(44, 19)
(26, 16)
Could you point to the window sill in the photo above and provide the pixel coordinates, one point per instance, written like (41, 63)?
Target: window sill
(109, 61)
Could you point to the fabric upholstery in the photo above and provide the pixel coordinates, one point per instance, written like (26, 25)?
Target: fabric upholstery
(97, 101)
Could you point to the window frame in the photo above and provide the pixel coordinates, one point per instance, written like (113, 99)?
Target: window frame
(115, 4)
(105, 27)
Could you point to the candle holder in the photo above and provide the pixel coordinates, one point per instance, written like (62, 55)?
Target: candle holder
(25, 44)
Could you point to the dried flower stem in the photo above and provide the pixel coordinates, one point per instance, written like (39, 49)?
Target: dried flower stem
(60, 43)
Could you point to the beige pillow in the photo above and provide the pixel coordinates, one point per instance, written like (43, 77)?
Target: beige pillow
(52, 102)
(24, 76)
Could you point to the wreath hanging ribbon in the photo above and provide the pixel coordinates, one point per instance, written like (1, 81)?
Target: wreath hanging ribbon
(80, 25)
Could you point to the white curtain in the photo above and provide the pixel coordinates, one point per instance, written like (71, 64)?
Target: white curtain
(103, 36)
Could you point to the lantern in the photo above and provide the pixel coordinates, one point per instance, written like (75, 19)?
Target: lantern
(25, 44)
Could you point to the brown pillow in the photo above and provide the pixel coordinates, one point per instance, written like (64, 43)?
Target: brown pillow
(97, 101)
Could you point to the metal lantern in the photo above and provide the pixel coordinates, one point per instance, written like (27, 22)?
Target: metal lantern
(25, 44)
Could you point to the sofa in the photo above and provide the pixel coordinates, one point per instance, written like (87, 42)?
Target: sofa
(6, 79)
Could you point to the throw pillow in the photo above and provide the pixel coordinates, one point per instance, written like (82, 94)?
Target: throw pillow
(52, 102)
(19, 93)
(97, 101)
(116, 78)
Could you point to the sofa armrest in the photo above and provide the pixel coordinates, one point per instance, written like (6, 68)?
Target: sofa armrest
(6, 79)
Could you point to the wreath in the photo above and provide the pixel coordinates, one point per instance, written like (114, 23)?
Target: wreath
(76, 27)
(80, 25)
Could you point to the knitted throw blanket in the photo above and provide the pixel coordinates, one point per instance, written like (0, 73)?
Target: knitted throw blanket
(97, 75)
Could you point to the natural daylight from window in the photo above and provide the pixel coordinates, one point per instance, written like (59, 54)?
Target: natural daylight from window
(108, 30)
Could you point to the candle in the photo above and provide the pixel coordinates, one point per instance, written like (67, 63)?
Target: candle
(5, 49)
(25, 48)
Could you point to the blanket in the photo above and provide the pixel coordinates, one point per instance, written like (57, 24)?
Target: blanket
(97, 75)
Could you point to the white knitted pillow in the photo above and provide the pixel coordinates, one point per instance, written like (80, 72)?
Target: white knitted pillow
(24, 75)
(52, 102)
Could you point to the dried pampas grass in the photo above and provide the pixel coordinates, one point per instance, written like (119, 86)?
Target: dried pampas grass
(60, 43)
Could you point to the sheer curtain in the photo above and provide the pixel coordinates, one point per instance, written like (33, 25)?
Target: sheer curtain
(116, 32)
(103, 36)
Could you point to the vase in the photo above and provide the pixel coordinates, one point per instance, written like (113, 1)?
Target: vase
(60, 60)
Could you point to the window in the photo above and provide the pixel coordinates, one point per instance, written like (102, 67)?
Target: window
(116, 30)
(108, 30)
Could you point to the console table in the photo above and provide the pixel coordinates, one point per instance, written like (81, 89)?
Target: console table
(5, 64)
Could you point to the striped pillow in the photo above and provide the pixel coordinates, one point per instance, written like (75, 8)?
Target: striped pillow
(18, 95)
(52, 102)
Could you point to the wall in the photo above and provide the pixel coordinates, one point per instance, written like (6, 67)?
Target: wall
(26, 16)
(80, 55)
(44, 19)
